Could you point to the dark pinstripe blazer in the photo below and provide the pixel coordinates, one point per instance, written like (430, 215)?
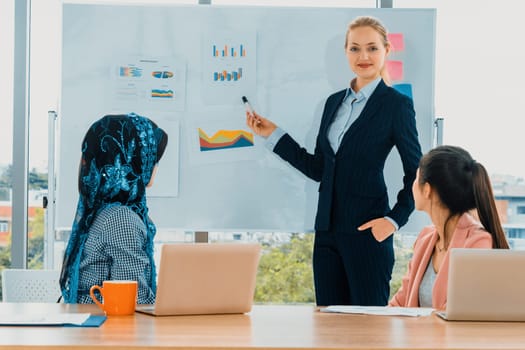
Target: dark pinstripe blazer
(352, 187)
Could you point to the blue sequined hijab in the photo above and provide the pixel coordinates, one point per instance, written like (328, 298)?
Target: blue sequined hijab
(119, 153)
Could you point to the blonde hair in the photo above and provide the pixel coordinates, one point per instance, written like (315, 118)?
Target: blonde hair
(375, 24)
(367, 21)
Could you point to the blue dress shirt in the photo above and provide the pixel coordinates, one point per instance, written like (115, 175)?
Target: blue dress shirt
(348, 112)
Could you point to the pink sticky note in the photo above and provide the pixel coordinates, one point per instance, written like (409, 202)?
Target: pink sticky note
(397, 41)
(395, 69)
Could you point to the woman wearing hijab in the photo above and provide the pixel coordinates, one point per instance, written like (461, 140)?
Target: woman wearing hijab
(112, 234)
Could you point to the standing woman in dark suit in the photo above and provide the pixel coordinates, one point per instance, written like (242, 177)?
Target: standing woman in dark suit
(353, 252)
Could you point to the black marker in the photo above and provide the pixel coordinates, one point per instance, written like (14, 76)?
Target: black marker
(249, 108)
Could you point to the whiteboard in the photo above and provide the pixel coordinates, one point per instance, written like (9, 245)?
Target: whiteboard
(285, 60)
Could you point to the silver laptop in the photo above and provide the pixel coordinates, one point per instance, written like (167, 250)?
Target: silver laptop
(485, 285)
(205, 278)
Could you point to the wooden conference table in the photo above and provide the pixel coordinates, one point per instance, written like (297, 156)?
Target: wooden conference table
(266, 327)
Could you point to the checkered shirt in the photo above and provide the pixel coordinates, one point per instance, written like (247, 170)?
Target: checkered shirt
(116, 250)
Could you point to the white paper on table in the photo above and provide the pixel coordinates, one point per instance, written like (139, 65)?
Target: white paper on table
(44, 319)
(379, 310)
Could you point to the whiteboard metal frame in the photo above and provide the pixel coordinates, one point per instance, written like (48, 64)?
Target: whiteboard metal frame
(49, 235)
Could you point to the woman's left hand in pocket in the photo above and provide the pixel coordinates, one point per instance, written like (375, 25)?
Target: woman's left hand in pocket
(381, 228)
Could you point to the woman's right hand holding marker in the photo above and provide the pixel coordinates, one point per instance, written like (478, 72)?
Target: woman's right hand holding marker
(260, 125)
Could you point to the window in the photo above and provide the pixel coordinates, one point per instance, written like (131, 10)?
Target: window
(6, 129)
(6, 94)
(466, 71)
(462, 43)
(470, 55)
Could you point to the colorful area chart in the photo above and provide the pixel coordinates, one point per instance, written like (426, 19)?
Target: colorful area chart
(158, 93)
(224, 139)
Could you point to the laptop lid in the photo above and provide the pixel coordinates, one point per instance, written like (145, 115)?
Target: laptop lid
(486, 285)
(206, 278)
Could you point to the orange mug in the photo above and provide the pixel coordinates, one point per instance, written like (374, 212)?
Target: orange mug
(119, 297)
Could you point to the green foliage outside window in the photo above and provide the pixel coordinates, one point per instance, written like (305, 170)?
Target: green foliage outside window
(285, 272)
(403, 256)
(35, 244)
(36, 180)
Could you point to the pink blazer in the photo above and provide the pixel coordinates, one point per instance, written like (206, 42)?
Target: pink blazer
(469, 233)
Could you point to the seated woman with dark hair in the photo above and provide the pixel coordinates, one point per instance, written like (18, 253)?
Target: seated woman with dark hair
(112, 234)
(448, 185)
